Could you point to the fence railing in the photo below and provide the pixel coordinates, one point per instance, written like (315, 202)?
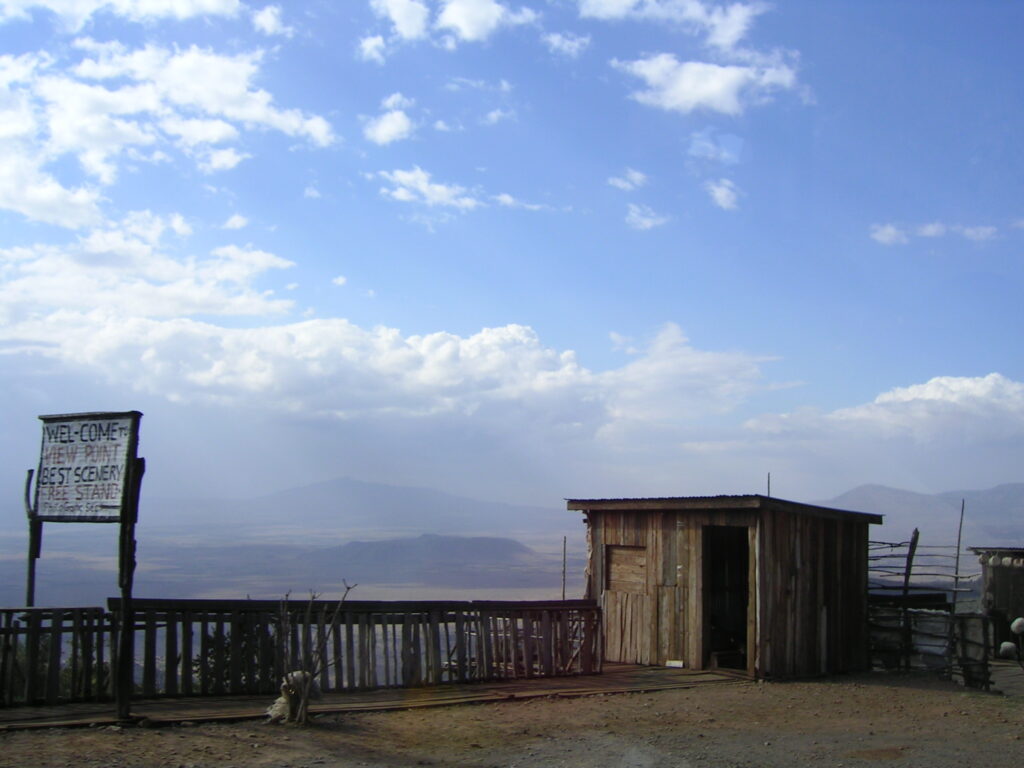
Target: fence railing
(905, 569)
(956, 646)
(52, 655)
(912, 612)
(223, 647)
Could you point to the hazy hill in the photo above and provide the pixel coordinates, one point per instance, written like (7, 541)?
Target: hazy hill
(170, 569)
(992, 517)
(450, 561)
(345, 509)
(308, 537)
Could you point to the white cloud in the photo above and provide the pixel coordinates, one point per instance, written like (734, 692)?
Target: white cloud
(27, 189)
(694, 85)
(199, 79)
(508, 201)
(933, 229)
(945, 407)
(945, 432)
(389, 127)
(960, 390)
(671, 381)
(724, 148)
(311, 192)
(397, 101)
(95, 123)
(192, 131)
(722, 27)
(496, 116)
(723, 193)
(339, 280)
(642, 217)
(220, 160)
(888, 234)
(415, 186)
(238, 265)
(123, 271)
(108, 103)
(891, 234)
(75, 13)
(567, 44)
(629, 180)
(409, 17)
(268, 21)
(372, 49)
(622, 343)
(457, 84)
(607, 9)
(476, 20)
(393, 125)
(134, 238)
(236, 221)
(179, 225)
(441, 125)
(978, 233)
(503, 377)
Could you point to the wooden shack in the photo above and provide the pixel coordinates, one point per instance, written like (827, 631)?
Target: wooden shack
(774, 588)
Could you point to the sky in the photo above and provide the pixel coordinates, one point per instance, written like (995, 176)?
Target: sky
(518, 251)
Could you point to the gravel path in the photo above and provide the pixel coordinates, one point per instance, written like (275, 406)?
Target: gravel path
(866, 720)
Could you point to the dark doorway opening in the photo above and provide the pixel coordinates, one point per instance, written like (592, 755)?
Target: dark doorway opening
(726, 595)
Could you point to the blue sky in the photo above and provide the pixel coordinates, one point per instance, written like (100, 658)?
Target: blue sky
(518, 250)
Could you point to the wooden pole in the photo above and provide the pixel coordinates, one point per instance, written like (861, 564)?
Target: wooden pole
(908, 632)
(563, 566)
(956, 568)
(126, 577)
(35, 543)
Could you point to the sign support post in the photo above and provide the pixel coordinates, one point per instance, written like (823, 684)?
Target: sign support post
(35, 544)
(125, 680)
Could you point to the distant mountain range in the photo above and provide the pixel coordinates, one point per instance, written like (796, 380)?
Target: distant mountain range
(436, 566)
(991, 517)
(413, 541)
(345, 509)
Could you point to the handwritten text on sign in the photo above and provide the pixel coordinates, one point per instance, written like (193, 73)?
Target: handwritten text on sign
(83, 468)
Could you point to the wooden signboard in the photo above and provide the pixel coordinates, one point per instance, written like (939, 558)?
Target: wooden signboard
(84, 467)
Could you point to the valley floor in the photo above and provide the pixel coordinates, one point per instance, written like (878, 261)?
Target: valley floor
(864, 720)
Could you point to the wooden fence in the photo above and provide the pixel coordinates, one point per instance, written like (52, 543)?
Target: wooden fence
(956, 646)
(913, 615)
(51, 655)
(223, 647)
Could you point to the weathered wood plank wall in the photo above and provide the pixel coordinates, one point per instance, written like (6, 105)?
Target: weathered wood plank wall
(807, 579)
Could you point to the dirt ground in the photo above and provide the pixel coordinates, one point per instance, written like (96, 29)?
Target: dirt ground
(867, 720)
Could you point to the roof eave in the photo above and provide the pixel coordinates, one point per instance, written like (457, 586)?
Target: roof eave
(716, 503)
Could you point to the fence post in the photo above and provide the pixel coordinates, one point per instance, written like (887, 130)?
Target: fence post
(908, 632)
